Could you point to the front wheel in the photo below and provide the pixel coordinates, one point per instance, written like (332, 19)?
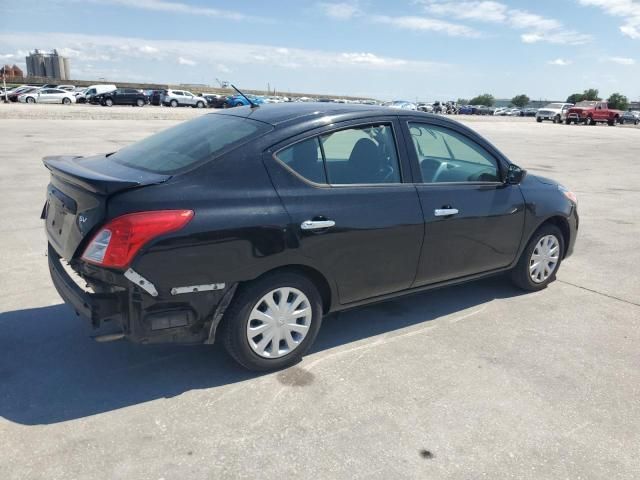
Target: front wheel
(200, 105)
(273, 321)
(557, 119)
(31, 100)
(66, 101)
(539, 120)
(140, 102)
(174, 103)
(540, 260)
(108, 102)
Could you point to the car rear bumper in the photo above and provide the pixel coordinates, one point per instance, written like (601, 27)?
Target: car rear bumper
(189, 318)
(95, 307)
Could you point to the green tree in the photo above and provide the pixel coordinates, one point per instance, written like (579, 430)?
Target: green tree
(484, 99)
(520, 101)
(617, 101)
(463, 101)
(575, 98)
(591, 94)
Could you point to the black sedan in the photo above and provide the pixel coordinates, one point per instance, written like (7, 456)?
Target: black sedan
(121, 96)
(247, 225)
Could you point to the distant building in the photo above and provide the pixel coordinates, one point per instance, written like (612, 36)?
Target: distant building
(48, 65)
(11, 71)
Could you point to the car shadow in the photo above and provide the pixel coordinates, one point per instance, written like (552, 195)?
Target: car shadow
(52, 371)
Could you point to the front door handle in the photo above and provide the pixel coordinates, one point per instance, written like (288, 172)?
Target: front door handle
(445, 212)
(317, 224)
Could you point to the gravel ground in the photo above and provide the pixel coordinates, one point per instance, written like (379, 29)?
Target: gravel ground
(475, 381)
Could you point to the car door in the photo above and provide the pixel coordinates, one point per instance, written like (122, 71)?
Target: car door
(189, 98)
(351, 213)
(48, 95)
(473, 220)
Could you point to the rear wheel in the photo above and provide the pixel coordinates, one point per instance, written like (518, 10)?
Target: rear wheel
(539, 120)
(66, 101)
(174, 103)
(272, 322)
(540, 260)
(31, 100)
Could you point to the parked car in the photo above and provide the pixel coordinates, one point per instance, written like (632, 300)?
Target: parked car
(500, 111)
(215, 100)
(14, 94)
(182, 98)
(402, 105)
(94, 90)
(240, 101)
(178, 244)
(156, 97)
(425, 107)
(121, 96)
(556, 112)
(466, 110)
(592, 112)
(529, 112)
(630, 117)
(47, 95)
(68, 88)
(513, 112)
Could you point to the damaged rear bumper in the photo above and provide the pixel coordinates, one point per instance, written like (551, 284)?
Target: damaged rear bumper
(143, 315)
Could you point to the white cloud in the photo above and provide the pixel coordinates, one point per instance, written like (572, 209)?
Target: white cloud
(484, 11)
(622, 60)
(540, 29)
(179, 8)
(629, 10)
(108, 51)
(186, 61)
(427, 24)
(560, 62)
(339, 11)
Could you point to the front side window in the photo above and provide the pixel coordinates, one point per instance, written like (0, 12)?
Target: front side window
(447, 156)
(359, 155)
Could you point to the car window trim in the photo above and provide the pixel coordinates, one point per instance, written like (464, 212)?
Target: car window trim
(338, 127)
(500, 161)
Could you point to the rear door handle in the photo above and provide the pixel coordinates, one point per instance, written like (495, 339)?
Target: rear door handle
(317, 224)
(445, 212)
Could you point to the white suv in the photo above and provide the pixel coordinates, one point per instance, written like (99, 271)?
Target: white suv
(182, 98)
(556, 112)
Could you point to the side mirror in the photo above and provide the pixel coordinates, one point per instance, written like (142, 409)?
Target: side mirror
(515, 175)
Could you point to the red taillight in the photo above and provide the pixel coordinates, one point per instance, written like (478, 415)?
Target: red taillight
(116, 243)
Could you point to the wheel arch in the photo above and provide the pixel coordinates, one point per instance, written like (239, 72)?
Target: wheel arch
(563, 225)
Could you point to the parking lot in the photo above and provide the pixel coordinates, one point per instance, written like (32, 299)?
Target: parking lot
(468, 382)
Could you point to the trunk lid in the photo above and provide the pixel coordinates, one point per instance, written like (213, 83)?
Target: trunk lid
(78, 193)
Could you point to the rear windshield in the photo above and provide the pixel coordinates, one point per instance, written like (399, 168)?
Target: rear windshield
(190, 143)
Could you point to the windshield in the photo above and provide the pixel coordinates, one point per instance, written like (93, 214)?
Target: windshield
(189, 143)
(555, 105)
(586, 104)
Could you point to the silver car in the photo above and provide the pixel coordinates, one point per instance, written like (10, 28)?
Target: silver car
(183, 98)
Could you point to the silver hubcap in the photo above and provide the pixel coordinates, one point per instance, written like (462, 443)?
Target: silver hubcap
(279, 322)
(544, 258)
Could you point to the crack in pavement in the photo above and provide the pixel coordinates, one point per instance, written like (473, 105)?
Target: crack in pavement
(600, 293)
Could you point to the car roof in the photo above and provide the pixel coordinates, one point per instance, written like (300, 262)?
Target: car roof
(277, 114)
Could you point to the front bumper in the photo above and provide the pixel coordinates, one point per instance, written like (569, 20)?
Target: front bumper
(142, 318)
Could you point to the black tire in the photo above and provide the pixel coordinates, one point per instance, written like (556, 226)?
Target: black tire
(233, 329)
(520, 273)
(66, 101)
(173, 103)
(612, 123)
(108, 102)
(539, 120)
(31, 100)
(140, 102)
(568, 121)
(557, 119)
(200, 105)
(621, 121)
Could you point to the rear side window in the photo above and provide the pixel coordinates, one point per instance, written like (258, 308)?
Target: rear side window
(305, 158)
(190, 143)
(360, 155)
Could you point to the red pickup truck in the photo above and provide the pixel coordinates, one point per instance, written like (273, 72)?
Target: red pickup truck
(592, 112)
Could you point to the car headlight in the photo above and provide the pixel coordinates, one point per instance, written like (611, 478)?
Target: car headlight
(568, 193)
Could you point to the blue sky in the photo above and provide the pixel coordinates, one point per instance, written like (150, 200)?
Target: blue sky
(410, 49)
